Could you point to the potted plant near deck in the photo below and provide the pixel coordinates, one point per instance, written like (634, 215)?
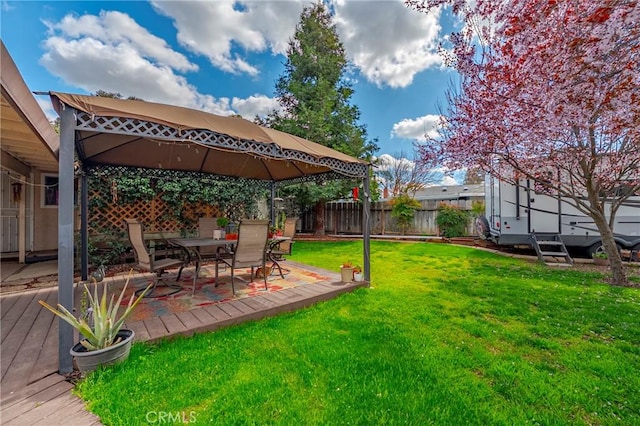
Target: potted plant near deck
(357, 273)
(346, 272)
(103, 341)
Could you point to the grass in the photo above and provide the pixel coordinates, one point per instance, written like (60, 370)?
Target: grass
(445, 335)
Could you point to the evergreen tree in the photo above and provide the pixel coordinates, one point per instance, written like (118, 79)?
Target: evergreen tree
(315, 100)
(474, 176)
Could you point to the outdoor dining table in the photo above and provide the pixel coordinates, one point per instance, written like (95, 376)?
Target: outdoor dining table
(194, 245)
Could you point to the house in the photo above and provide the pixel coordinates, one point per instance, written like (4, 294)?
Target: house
(29, 169)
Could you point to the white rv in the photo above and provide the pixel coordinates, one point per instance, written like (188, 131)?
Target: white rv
(515, 213)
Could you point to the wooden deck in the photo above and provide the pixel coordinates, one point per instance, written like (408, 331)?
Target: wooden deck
(31, 391)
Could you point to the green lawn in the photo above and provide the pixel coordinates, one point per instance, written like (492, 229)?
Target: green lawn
(446, 335)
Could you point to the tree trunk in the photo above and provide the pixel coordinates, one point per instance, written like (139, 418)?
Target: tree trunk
(618, 272)
(318, 211)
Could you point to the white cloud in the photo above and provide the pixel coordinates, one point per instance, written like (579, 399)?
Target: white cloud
(387, 41)
(112, 52)
(121, 31)
(387, 161)
(94, 64)
(449, 180)
(254, 105)
(417, 128)
(219, 29)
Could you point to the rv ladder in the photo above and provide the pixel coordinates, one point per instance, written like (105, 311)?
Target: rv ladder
(550, 245)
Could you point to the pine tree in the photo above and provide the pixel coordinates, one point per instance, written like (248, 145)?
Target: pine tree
(315, 99)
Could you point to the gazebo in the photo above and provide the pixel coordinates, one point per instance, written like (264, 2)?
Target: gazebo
(106, 133)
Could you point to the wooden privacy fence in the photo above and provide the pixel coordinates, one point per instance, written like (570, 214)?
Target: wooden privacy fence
(345, 217)
(342, 217)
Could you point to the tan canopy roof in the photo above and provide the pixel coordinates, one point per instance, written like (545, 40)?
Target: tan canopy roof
(28, 140)
(151, 135)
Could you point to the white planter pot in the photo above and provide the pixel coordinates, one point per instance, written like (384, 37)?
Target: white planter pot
(347, 274)
(217, 234)
(357, 276)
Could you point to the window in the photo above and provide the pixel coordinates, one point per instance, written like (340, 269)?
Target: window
(50, 190)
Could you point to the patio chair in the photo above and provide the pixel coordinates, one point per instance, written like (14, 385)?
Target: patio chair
(206, 226)
(284, 247)
(147, 263)
(250, 251)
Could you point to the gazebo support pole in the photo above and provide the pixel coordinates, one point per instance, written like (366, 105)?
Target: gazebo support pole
(273, 203)
(65, 234)
(366, 225)
(84, 225)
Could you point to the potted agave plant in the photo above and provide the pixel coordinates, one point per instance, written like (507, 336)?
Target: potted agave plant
(103, 341)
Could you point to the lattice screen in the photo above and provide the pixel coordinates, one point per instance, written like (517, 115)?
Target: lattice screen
(155, 215)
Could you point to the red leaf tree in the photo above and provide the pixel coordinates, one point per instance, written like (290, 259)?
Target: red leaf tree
(548, 88)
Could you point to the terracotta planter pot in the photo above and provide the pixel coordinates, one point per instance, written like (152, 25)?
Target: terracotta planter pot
(90, 360)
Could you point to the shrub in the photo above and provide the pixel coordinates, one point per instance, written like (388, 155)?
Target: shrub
(452, 220)
(403, 209)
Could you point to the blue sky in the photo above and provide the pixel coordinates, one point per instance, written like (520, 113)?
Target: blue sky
(224, 56)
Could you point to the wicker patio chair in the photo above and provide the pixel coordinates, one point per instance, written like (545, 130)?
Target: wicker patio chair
(147, 263)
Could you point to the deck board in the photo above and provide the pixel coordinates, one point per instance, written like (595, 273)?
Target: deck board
(218, 314)
(32, 389)
(189, 320)
(243, 307)
(48, 358)
(45, 363)
(18, 334)
(7, 302)
(203, 316)
(139, 329)
(256, 304)
(37, 400)
(14, 313)
(173, 324)
(29, 350)
(230, 309)
(155, 328)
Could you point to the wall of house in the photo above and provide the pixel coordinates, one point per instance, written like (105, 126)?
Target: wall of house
(45, 223)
